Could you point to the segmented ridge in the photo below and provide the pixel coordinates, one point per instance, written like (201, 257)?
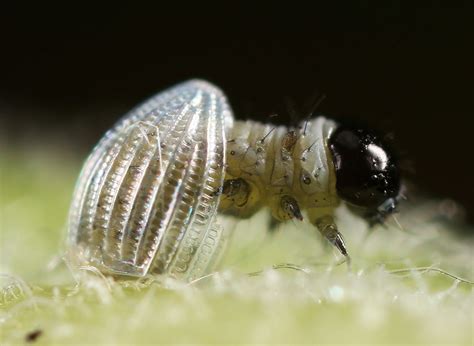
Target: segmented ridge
(211, 250)
(128, 190)
(189, 192)
(166, 198)
(183, 248)
(184, 201)
(110, 188)
(194, 249)
(95, 183)
(146, 199)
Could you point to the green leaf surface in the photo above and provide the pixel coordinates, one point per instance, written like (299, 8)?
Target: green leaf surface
(407, 285)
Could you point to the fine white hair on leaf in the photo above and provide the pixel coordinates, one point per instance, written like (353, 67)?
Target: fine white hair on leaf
(431, 269)
(15, 283)
(91, 269)
(296, 293)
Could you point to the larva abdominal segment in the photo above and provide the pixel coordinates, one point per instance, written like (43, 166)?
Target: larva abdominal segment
(256, 153)
(148, 195)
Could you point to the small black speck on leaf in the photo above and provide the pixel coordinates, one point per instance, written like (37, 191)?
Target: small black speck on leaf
(33, 335)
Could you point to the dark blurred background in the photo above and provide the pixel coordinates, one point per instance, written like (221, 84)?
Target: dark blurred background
(403, 67)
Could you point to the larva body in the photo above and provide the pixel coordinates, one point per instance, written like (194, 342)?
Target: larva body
(275, 162)
(148, 196)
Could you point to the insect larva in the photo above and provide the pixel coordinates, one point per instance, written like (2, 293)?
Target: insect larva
(148, 195)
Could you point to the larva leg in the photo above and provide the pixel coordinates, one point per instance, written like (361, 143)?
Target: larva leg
(239, 197)
(290, 208)
(328, 229)
(237, 190)
(287, 208)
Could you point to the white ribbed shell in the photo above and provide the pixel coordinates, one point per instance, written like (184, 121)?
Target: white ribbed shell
(146, 199)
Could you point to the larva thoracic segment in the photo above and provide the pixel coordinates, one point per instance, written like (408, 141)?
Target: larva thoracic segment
(148, 195)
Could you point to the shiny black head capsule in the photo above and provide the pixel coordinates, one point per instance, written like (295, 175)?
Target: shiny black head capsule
(367, 174)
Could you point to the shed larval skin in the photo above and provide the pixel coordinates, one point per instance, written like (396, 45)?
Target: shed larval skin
(145, 201)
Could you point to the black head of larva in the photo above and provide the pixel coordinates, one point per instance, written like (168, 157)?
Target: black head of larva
(367, 173)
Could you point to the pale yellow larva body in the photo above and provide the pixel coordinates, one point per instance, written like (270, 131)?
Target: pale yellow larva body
(276, 162)
(148, 195)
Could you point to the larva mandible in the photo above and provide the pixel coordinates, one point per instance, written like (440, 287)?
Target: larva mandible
(148, 195)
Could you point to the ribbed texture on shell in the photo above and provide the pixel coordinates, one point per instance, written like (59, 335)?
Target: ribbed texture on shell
(146, 199)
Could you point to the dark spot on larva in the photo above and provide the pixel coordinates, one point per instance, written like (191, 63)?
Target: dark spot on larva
(306, 179)
(259, 150)
(289, 140)
(33, 335)
(232, 152)
(303, 159)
